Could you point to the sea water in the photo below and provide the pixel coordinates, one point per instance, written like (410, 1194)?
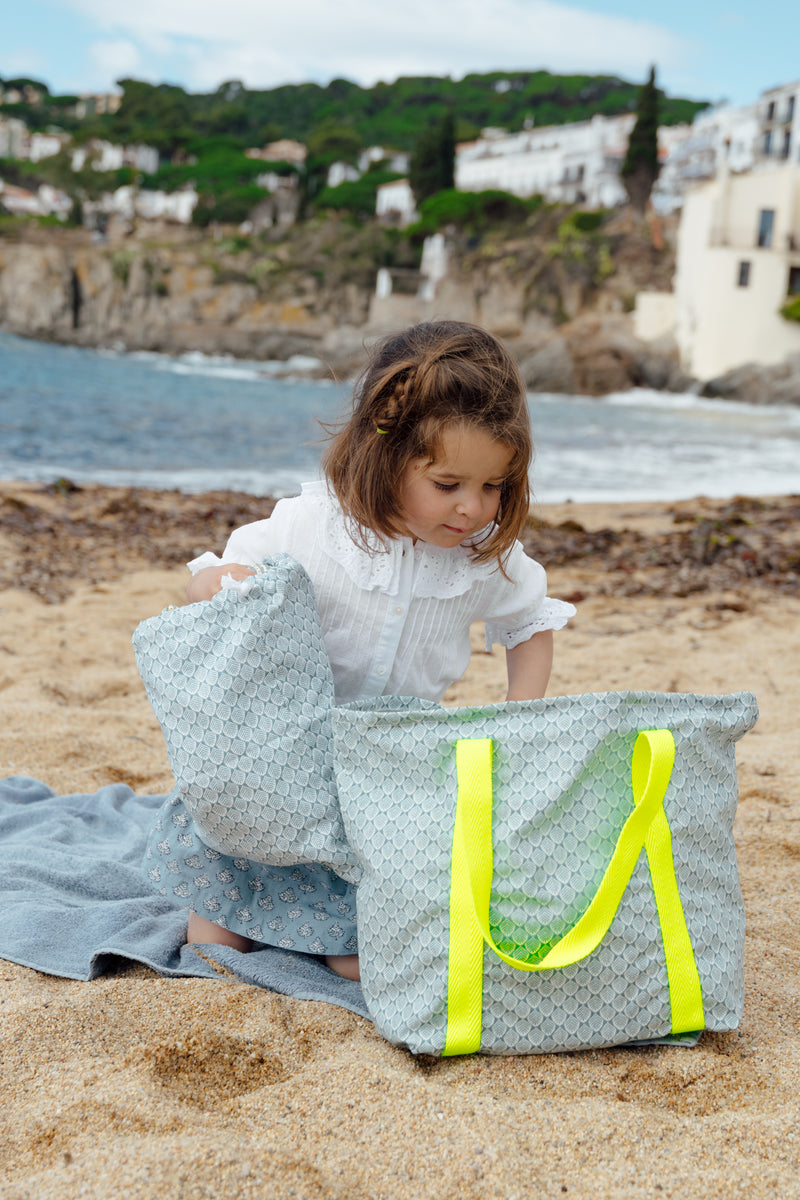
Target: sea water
(196, 422)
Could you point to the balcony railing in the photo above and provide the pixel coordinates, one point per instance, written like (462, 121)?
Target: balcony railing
(741, 239)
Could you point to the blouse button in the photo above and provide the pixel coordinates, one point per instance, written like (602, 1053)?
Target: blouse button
(399, 610)
(381, 671)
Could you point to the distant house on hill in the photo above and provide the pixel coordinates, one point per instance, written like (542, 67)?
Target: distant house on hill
(341, 172)
(284, 150)
(748, 138)
(14, 138)
(97, 103)
(395, 202)
(21, 92)
(578, 163)
(129, 203)
(46, 145)
(100, 155)
(46, 201)
(391, 160)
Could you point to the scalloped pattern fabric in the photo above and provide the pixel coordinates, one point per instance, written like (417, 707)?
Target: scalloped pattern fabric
(562, 790)
(243, 690)
(297, 907)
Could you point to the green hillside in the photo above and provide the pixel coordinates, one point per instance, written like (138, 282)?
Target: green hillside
(390, 114)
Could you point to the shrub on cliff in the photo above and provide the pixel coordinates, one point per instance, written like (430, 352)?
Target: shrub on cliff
(357, 196)
(471, 212)
(228, 206)
(791, 309)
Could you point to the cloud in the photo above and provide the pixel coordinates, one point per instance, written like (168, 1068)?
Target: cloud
(119, 57)
(265, 43)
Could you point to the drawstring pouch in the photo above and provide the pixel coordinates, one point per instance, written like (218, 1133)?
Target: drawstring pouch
(243, 690)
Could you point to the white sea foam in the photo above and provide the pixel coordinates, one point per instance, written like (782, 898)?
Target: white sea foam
(239, 370)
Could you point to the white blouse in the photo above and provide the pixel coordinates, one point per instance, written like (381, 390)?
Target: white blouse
(396, 619)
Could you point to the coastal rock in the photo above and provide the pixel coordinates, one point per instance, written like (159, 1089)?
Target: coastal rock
(548, 367)
(757, 384)
(659, 367)
(595, 354)
(314, 297)
(37, 284)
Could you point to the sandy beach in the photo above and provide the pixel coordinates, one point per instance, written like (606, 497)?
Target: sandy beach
(141, 1086)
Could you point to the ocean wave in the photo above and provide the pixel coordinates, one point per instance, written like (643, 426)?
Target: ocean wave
(189, 481)
(239, 370)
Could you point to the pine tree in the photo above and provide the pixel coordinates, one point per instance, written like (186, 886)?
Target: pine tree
(432, 167)
(641, 166)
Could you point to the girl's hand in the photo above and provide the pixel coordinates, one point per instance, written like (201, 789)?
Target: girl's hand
(207, 583)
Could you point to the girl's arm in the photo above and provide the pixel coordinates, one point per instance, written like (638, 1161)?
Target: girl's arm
(529, 666)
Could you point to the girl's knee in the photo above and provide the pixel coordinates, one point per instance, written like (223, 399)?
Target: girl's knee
(345, 965)
(206, 932)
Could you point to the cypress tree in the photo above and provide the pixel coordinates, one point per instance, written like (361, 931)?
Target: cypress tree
(432, 166)
(641, 166)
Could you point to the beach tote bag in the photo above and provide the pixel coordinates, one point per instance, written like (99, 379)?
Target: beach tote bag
(242, 687)
(549, 875)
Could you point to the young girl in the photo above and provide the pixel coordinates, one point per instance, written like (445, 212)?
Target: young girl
(414, 536)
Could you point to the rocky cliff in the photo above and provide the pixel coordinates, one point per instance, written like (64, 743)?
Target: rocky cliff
(560, 297)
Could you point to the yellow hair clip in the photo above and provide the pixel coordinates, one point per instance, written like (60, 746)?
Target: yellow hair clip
(379, 430)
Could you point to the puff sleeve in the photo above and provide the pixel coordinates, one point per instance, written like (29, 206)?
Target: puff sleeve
(520, 606)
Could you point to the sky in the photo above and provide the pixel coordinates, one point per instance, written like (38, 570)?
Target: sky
(717, 50)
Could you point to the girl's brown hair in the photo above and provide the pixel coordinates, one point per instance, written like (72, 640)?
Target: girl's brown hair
(417, 384)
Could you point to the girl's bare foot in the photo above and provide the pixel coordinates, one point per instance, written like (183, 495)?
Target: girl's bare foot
(344, 964)
(200, 930)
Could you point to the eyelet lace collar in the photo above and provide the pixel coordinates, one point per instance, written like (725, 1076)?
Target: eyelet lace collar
(438, 572)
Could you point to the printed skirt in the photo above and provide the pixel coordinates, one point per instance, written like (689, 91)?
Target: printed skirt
(301, 907)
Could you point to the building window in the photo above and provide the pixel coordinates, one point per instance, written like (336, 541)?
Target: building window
(790, 110)
(743, 278)
(787, 142)
(768, 142)
(766, 220)
(771, 110)
(794, 281)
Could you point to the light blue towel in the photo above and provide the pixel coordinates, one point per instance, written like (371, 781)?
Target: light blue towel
(73, 897)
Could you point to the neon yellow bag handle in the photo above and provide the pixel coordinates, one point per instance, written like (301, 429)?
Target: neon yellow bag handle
(471, 882)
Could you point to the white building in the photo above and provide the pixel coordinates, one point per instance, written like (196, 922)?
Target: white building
(390, 160)
(342, 172)
(779, 124)
(106, 156)
(129, 202)
(91, 102)
(394, 201)
(165, 206)
(742, 139)
(580, 163)
(284, 150)
(14, 138)
(738, 263)
(46, 201)
(575, 163)
(697, 151)
(46, 145)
